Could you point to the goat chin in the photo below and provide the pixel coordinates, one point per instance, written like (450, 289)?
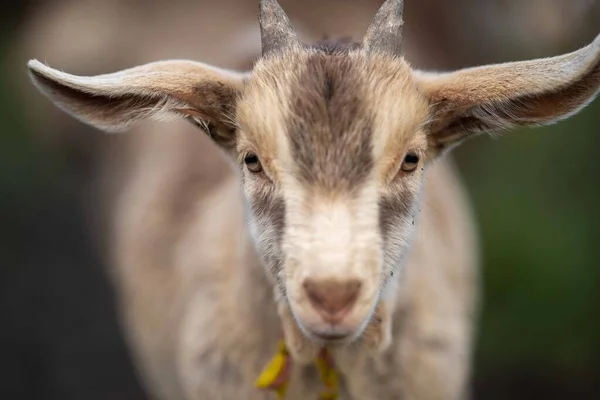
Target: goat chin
(376, 337)
(300, 347)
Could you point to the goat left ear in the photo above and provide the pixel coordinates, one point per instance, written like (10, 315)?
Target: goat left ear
(494, 97)
(204, 94)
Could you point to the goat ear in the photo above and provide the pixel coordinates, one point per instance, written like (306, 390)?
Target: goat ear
(113, 102)
(494, 97)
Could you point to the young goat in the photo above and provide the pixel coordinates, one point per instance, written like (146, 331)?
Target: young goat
(336, 147)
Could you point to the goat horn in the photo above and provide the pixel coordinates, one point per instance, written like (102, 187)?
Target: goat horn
(276, 32)
(385, 32)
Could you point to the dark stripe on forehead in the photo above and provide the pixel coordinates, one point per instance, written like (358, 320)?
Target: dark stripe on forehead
(336, 46)
(330, 128)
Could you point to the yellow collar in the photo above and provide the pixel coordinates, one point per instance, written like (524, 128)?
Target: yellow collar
(276, 374)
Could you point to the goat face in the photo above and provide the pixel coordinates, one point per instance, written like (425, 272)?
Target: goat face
(332, 149)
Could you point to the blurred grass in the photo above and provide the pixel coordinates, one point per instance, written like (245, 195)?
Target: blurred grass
(24, 166)
(59, 327)
(536, 194)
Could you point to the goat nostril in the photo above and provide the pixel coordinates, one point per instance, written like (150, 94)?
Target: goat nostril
(332, 298)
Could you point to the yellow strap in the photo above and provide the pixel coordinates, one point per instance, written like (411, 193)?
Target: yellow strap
(275, 371)
(328, 375)
(275, 376)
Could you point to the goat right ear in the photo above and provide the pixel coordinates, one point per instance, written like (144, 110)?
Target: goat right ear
(496, 97)
(160, 90)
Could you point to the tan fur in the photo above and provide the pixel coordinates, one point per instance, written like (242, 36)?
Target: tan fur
(202, 316)
(494, 97)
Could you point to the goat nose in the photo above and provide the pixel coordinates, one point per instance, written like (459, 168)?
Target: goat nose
(332, 298)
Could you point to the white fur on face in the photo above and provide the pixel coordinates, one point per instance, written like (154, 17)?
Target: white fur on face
(332, 238)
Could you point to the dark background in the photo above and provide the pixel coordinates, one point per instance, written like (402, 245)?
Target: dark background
(536, 195)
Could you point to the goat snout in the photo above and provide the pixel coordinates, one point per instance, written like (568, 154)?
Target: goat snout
(332, 298)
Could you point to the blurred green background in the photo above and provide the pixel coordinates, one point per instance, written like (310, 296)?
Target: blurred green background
(535, 193)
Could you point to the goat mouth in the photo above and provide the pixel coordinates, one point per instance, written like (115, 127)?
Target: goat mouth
(331, 337)
(328, 334)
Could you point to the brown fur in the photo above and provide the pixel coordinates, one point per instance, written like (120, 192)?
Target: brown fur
(330, 127)
(196, 303)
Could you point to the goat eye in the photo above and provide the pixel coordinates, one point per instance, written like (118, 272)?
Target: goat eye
(252, 163)
(410, 163)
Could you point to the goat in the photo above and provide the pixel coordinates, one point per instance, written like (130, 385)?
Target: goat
(319, 236)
